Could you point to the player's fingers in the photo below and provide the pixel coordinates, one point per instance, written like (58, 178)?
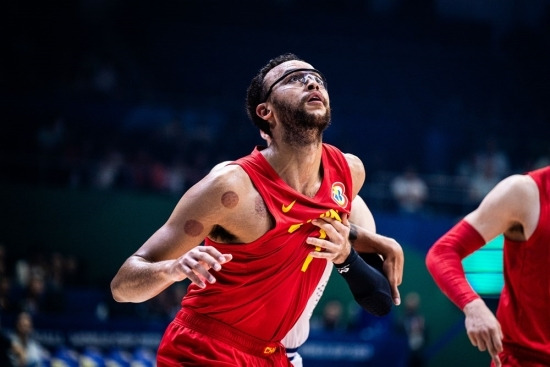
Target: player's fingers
(483, 344)
(226, 258)
(473, 339)
(345, 219)
(194, 278)
(198, 270)
(494, 346)
(211, 257)
(326, 246)
(322, 255)
(395, 294)
(190, 268)
(338, 223)
(496, 343)
(214, 256)
(335, 230)
(492, 352)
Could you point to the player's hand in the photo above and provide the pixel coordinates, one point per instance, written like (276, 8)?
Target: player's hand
(335, 246)
(483, 329)
(394, 260)
(392, 255)
(196, 263)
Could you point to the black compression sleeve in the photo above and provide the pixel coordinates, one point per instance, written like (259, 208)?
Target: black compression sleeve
(369, 287)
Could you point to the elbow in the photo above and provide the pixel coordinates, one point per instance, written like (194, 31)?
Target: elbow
(385, 307)
(378, 305)
(116, 292)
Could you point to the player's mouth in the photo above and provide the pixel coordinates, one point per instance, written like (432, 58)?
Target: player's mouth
(315, 97)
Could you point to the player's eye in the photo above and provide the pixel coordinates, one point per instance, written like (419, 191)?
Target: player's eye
(295, 78)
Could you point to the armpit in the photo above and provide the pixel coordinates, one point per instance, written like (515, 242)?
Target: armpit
(515, 233)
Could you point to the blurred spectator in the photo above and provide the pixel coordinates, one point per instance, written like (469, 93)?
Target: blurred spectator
(74, 271)
(7, 303)
(109, 169)
(409, 190)
(33, 352)
(482, 182)
(176, 177)
(413, 323)
(11, 354)
(492, 157)
(37, 296)
(33, 293)
(332, 317)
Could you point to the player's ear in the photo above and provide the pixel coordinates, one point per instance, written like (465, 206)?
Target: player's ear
(262, 111)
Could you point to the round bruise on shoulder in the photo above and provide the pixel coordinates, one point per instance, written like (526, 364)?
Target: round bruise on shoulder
(193, 227)
(230, 199)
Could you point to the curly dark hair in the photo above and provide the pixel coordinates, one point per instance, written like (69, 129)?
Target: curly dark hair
(255, 92)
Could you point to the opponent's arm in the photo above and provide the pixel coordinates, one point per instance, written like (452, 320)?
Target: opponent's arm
(165, 257)
(511, 203)
(506, 206)
(369, 245)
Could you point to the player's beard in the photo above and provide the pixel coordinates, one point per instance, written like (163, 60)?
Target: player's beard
(301, 127)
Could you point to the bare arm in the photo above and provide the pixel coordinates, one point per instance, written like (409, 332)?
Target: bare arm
(512, 209)
(165, 257)
(513, 203)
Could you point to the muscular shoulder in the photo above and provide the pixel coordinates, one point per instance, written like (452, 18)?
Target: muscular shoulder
(222, 192)
(513, 202)
(225, 180)
(357, 171)
(514, 194)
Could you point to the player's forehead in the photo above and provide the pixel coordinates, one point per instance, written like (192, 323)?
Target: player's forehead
(282, 68)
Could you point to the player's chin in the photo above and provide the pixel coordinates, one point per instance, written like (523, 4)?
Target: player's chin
(317, 108)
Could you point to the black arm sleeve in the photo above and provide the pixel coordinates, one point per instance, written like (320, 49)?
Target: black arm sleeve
(369, 287)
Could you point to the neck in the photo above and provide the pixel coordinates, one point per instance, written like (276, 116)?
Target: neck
(299, 167)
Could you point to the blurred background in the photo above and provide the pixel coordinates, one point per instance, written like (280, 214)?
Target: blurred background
(112, 109)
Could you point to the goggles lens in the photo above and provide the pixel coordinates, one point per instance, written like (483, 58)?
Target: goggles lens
(301, 76)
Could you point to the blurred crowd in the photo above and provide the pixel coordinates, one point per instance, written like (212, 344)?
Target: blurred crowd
(53, 283)
(148, 107)
(50, 290)
(170, 154)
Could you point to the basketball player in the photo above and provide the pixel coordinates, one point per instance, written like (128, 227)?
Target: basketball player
(519, 208)
(272, 220)
(374, 249)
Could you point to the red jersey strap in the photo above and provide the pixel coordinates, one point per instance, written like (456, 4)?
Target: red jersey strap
(444, 262)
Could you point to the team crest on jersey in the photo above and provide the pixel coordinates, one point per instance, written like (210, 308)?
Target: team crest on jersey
(338, 194)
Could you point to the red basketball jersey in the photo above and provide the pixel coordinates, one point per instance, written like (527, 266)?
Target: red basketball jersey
(524, 305)
(266, 286)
